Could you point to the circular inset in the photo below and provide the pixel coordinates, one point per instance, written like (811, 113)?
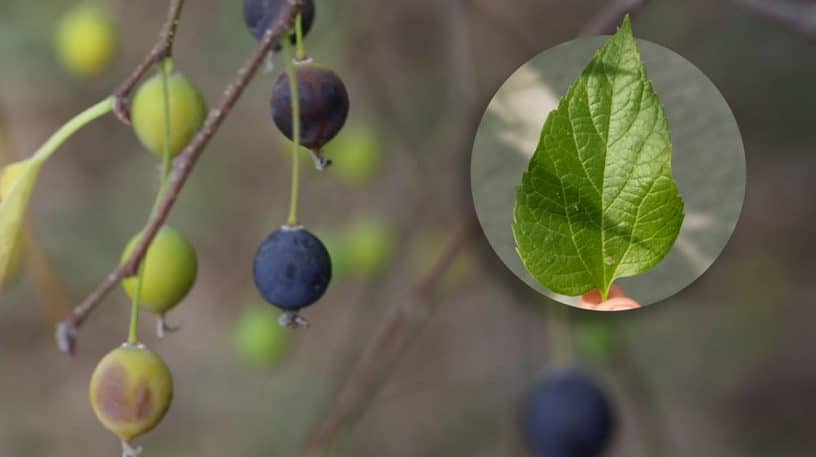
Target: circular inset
(586, 163)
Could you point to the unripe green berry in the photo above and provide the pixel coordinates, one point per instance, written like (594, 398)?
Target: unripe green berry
(169, 270)
(259, 339)
(357, 155)
(131, 390)
(187, 113)
(369, 244)
(86, 40)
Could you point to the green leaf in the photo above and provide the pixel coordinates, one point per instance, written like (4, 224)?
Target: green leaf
(598, 201)
(16, 183)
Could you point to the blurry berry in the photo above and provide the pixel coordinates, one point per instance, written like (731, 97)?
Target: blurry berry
(568, 415)
(336, 246)
(258, 338)
(187, 113)
(86, 40)
(292, 268)
(369, 244)
(324, 105)
(259, 15)
(359, 151)
(131, 390)
(597, 339)
(169, 270)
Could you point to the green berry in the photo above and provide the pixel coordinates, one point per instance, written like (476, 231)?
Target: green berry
(169, 271)
(598, 340)
(357, 155)
(338, 251)
(131, 390)
(187, 113)
(259, 340)
(369, 245)
(86, 40)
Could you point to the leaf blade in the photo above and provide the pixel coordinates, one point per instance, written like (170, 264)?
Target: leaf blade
(598, 201)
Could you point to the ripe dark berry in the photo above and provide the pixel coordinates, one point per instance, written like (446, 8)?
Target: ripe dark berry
(324, 106)
(259, 15)
(292, 269)
(568, 415)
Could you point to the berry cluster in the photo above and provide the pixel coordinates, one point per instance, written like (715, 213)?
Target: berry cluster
(309, 104)
(131, 388)
(568, 415)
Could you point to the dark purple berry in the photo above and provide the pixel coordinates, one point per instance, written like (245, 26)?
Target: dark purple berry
(568, 415)
(324, 105)
(292, 268)
(259, 15)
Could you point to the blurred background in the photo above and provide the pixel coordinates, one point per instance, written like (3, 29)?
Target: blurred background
(448, 350)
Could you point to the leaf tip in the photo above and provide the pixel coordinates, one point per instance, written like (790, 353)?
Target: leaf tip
(626, 25)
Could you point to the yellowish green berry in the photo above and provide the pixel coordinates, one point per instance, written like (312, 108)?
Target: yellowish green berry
(187, 113)
(169, 271)
(131, 391)
(86, 40)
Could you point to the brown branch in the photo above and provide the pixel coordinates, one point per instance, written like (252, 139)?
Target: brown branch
(798, 16)
(373, 368)
(161, 50)
(66, 330)
(609, 18)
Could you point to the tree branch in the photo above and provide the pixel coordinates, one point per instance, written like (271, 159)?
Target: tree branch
(375, 365)
(161, 50)
(798, 16)
(66, 330)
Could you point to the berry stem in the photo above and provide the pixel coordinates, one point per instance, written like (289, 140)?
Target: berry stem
(74, 125)
(301, 46)
(165, 67)
(295, 97)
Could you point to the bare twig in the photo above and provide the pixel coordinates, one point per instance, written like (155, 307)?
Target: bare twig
(184, 165)
(800, 17)
(609, 18)
(161, 50)
(372, 369)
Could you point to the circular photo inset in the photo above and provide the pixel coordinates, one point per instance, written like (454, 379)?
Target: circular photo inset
(608, 173)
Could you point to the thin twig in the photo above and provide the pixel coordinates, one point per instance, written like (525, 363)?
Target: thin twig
(609, 18)
(184, 165)
(800, 17)
(161, 50)
(372, 369)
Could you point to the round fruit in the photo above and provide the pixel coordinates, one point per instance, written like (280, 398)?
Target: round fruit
(369, 245)
(292, 268)
(86, 40)
(360, 151)
(258, 338)
(131, 390)
(169, 270)
(568, 415)
(259, 15)
(324, 105)
(187, 113)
